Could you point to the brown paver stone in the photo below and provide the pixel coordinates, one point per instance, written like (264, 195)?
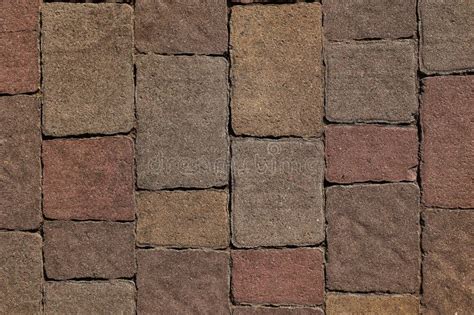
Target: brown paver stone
(373, 238)
(183, 282)
(277, 75)
(89, 179)
(371, 153)
(372, 81)
(181, 26)
(182, 107)
(89, 249)
(448, 264)
(278, 276)
(337, 304)
(21, 273)
(277, 311)
(19, 15)
(88, 80)
(277, 195)
(447, 120)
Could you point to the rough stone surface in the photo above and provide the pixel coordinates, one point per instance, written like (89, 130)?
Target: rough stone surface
(19, 15)
(447, 116)
(277, 194)
(183, 282)
(182, 107)
(21, 273)
(373, 238)
(337, 304)
(183, 218)
(278, 276)
(371, 153)
(76, 186)
(277, 75)
(277, 311)
(89, 250)
(20, 163)
(448, 264)
(181, 26)
(88, 80)
(372, 81)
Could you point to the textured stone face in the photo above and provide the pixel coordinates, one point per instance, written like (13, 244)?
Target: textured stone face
(277, 311)
(373, 234)
(277, 70)
(87, 68)
(371, 81)
(448, 265)
(182, 282)
(277, 195)
(19, 15)
(337, 304)
(89, 179)
(447, 115)
(182, 108)
(371, 153)
(183, 219)
(283, 276)
(181, 26)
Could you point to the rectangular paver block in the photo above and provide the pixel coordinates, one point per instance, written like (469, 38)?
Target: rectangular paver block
(19, 15)
(337, 304)
(243, 310)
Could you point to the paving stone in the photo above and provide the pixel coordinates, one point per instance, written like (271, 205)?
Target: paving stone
(182, 105)
(276, 311)
(183, 218)
(91, 297)
(337, 304)
(371, 153)
(88, 80)
(183, 282)
(78, 187)
(277, 77)
(277, 195)
(373, 238)
(448, 264)
(278, 276)
(181, 26)
(447, 115)
(21, 271)
(89, 249)
(20, 168)
(19, 15)
(373, 81)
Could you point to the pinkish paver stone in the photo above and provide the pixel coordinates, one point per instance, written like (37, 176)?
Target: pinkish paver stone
(259, 310)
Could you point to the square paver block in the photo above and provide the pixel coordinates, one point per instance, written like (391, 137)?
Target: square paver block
(183, 282)
(373, 238)
(183, 218)
(337, 304)
(20, 168)
(21, 273)
(277, 195)
(373, 81)
(104, 250)
(277, 77)
(181, 26)
(448, 270)
(88, 80)
(182, 107)
(243, 310)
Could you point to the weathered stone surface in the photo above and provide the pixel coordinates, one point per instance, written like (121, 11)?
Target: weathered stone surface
(337, 304)
(89, 249)
(277, 195)
(373, 238)
(89, 179)
(278, 276)
(372, 81)
(277, 70)
(181, 26)
(276, 311)
(447, 115)
(88, 80)
(371, 153)
(21, 273)
(448, 264)
(19, 15)
(182, 105)
(183, 282)
(91, 297)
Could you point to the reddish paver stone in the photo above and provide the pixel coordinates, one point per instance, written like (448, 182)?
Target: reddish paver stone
(373, 238)
(89, 249)
(371, 153)
(447, 116)
(277, 311)
(19, 15)
(278, 276)
(89, 179)
(183, 282)
(337, 304)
